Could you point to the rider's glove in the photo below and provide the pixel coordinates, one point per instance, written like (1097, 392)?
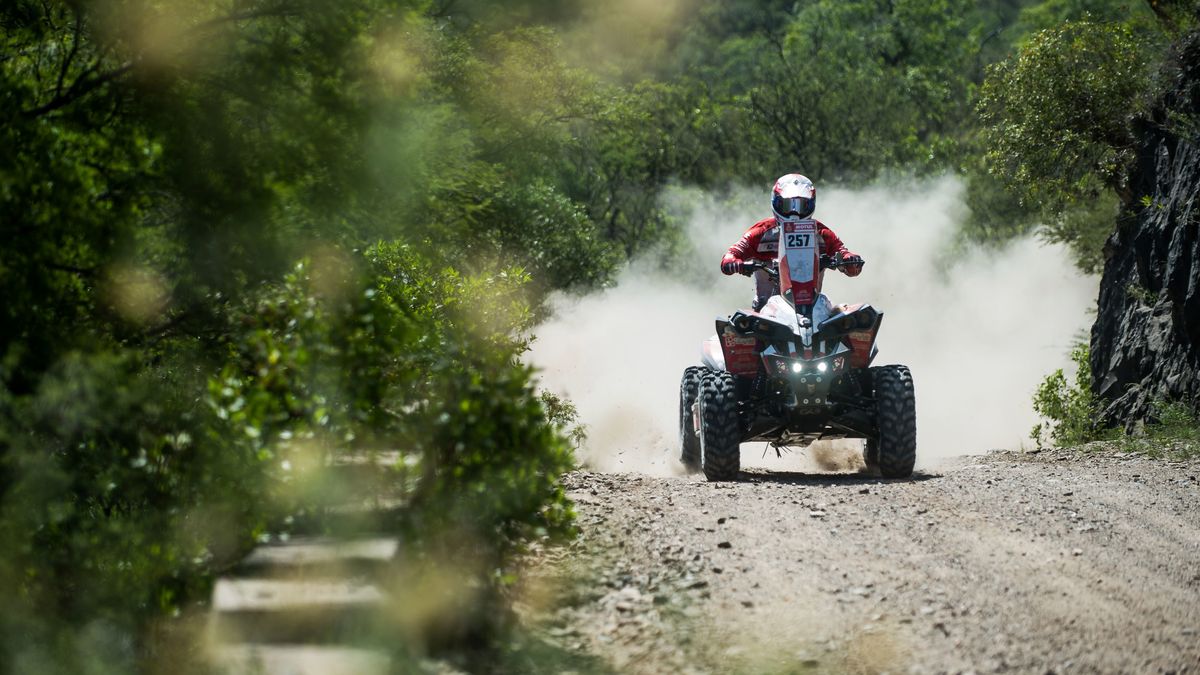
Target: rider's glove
(852, 264)
(732, 266)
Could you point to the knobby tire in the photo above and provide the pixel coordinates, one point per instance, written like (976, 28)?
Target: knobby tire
(896, 417)
(689, 442)
(720, 429)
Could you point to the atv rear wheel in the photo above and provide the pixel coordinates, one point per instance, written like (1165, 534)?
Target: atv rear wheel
(689, 442)
(720, 430)
(895, 450)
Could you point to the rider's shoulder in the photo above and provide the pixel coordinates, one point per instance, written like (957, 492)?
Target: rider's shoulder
(763, 225)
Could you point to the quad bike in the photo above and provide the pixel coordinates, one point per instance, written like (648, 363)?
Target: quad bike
(794, 372)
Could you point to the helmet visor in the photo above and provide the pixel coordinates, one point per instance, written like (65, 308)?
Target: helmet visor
(799, 207)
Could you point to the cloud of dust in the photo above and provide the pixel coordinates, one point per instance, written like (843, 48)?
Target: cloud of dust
(979, 330)
(623, 37)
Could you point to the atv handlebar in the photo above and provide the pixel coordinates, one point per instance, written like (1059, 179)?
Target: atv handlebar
(772, 267)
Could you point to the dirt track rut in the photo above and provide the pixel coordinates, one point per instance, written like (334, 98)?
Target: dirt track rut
(1048, 562)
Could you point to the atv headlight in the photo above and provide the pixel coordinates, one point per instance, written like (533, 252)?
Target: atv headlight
(782, 366)
(822, 367)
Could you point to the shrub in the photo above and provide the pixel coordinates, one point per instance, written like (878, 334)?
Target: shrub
(1174, 431)
(122, 498)
(391, 354)
(1071, 417)
(1069, 406)
(130, 481)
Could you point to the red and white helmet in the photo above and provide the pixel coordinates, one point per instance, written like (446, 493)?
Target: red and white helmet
(795, 197)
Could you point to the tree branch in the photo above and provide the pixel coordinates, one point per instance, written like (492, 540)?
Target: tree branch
(48, 13)
(84, 84)
(78, 90)
(66, 64)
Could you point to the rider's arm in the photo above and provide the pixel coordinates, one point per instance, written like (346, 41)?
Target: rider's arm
(741, 251)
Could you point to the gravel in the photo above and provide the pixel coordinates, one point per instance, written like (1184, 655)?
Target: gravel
(1050, 562)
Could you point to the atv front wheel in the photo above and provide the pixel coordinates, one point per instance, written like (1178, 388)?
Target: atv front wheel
(895, 450)
(720, 430)
(689, 442)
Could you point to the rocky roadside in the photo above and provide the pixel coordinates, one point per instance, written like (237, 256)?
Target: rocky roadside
(1051, 562)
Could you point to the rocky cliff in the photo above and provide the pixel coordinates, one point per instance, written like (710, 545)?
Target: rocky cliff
(1146, 340)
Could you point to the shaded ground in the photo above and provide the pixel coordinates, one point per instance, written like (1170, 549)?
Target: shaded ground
(1048, 562)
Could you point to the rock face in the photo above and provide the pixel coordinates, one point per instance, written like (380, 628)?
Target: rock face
(1145, 343)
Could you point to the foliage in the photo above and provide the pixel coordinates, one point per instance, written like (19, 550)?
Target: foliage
(1071, 414)
(1056, 114)
(111, 522)
(1138, 17)
(1173, 432)
(174, 384)
(842, 90)
(1069, 407)
(1056, 125)
(996, 214)
(400, 357)
(564, 415)
(1084, 228)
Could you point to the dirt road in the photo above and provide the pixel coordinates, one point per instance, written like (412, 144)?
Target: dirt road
(1047, 562)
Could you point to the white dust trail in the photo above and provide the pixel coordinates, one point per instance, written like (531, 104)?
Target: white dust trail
(980, 330)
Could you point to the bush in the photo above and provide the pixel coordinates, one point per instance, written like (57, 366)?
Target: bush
(130, 482)
(404, 357)
(122, 498)
(1072, 417)
(1070, 408)
(1173, 431)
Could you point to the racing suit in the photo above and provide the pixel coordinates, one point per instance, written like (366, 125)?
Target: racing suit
(761, 242)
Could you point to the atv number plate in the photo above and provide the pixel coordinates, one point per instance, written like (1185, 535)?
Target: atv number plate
(800, 242)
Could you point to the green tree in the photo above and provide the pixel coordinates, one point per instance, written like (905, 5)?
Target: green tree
(1056, 124)
(855, 87)
(162, 358)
